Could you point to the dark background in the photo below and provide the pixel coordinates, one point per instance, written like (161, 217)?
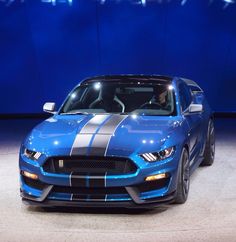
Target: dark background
(46, 50)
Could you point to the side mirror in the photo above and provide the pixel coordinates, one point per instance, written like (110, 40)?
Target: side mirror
(49, 107)
(195, 108)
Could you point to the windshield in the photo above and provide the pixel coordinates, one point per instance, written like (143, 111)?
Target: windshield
(123, 98)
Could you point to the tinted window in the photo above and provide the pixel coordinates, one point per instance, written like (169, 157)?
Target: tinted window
(103, 97)
(195, 89)
(185, 96)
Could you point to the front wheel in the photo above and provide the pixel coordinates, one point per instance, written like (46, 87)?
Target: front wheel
(209, 153)
(183, 178)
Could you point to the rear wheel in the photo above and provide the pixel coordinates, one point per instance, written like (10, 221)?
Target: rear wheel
(209, 153)
(183, 178)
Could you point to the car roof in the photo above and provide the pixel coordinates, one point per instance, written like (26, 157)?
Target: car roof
(130, 79)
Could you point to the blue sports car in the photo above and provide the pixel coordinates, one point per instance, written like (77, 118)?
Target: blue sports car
(119, 141)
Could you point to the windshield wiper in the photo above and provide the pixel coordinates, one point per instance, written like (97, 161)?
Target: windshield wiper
(75, 113)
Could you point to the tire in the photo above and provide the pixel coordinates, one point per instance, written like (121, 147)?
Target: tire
(209, 153)
(183, 178)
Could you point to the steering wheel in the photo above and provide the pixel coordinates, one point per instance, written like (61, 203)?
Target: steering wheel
(151, 106)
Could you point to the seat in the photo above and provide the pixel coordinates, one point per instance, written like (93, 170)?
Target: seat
(108, 101)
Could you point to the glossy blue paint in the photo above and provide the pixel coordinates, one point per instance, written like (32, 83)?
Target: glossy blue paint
(56, 135)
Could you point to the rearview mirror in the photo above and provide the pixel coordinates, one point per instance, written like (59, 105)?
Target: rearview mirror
(49, 107)
(195, 108)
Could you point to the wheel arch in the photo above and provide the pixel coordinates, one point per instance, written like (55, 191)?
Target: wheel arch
(186, 146)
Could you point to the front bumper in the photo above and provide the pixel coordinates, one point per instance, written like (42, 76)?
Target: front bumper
(96, 204)
(127, 190)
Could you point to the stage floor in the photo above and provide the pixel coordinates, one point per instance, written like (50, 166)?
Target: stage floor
(208, 215)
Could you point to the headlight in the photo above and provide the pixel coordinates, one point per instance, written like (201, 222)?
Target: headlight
(33, 155)
(157, 156)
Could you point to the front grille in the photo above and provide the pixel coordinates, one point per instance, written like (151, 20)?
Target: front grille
(90, 165)
(89, 191)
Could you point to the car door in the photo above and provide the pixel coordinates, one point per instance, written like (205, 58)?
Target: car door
(193, 120)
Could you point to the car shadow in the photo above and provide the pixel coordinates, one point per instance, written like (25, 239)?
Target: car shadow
(129, 211)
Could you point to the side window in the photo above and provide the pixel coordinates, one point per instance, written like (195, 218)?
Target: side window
(195, 89)
(185, 96)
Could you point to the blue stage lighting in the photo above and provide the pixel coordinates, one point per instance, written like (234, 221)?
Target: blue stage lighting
(228, 2)
(139, 2)
(54, 2)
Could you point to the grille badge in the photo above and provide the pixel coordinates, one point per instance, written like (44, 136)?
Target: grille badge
(61, 163)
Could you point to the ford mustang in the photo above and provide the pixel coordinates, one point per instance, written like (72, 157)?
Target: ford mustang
(119, 141)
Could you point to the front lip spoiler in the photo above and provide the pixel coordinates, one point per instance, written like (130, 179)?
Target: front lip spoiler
(150, 203)
(45, 193)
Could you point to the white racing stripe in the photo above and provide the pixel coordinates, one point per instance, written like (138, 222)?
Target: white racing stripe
(83, 138)
(99, 136)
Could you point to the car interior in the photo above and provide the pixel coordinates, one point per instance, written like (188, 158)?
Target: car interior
(119, 99)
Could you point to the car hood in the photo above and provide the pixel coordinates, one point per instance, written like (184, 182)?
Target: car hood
(111, 135)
